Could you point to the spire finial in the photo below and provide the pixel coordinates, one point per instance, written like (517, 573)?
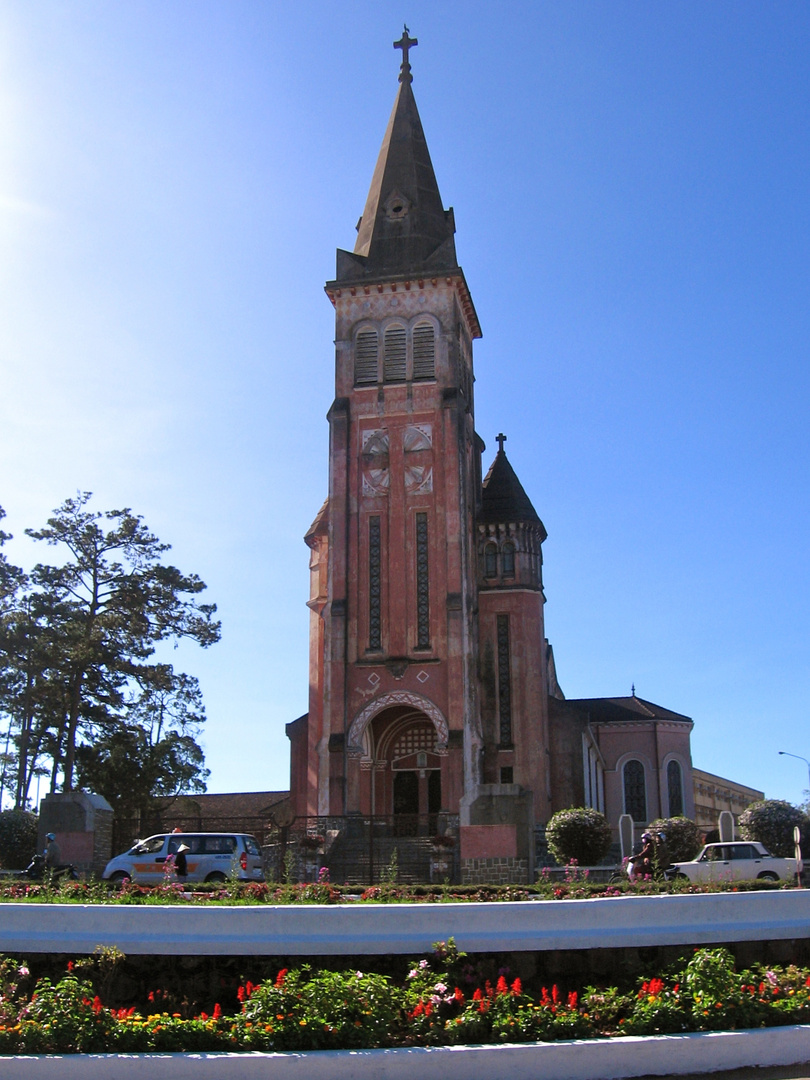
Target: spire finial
(405, 43)
(500, 439)
(633, 690)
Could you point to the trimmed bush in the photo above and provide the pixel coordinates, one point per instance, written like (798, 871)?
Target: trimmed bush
(578, 835)
(771, 822)
(18, 838)
(683, 837)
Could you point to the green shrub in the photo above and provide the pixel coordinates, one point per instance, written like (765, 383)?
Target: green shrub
(683, 837)
(771, 822)
(578, 835)
(18, 838)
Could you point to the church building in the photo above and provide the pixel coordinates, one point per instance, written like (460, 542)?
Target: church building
(433, 695)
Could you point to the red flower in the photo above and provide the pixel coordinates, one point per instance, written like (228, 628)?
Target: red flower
(240, 993)
(203, 1016)
(459, 996)
(70, 965)
(97, 1006)
(502, 986)
(544, 998)
(152, 996)
(555, 994)
(420, 1008)
(217, 1011)
(249, 987)
(572, 999)
(280, 976)
(517, 987)
(428, 1008)
(488, 988)
(477, 996)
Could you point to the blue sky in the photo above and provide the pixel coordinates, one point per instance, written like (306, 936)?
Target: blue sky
(630, 188)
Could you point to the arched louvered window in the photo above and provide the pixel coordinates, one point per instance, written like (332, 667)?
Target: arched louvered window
(491, 561)
(508, 559)
(675, 788)
(635, 795)
(365, 358)
(395, 353)
(424, 352)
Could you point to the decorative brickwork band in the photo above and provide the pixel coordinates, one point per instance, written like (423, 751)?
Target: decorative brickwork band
(374, 585)
(422, 588)
(385, 701)
(504, 682)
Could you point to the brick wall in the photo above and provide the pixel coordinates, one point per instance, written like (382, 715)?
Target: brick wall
(505, 870)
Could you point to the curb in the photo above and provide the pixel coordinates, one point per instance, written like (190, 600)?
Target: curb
(358, 929)
(608, 1059)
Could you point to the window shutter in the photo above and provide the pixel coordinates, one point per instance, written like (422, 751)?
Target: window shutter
(424, 352)
(395, 353)
(365, 358)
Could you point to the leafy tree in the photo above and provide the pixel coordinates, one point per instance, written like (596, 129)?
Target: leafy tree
(78, 640)
(154, 753)
(18, 838)
(11, 577)
(771, 822)
(580, 834)
(683, 837)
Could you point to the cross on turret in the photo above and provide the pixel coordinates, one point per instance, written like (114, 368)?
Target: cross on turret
(405, 43)
(500, 440)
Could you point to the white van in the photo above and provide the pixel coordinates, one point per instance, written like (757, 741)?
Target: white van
(210, 857)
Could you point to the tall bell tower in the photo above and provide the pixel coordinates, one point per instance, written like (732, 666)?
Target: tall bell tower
(427, 653)
(393, 560)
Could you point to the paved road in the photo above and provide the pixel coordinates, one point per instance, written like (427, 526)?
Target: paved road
(772, 1072)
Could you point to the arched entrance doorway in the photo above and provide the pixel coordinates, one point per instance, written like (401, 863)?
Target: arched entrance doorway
(402, 743)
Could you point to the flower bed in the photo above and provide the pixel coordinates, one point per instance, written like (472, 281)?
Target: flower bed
(444, 1000)
(575, 886)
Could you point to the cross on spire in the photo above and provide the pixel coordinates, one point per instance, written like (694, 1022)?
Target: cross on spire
(500, 440)
(405, 43)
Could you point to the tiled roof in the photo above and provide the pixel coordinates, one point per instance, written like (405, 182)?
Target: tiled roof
(618, 709)
(504, 499)
(231, 804)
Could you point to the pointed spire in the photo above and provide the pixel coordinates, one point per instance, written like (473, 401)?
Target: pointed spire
(404, 227)
(503, 497)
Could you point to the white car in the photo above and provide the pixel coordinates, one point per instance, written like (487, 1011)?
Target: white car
(742, 860)
(211, 857)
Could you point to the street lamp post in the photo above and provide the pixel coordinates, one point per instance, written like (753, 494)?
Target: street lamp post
(800, 758)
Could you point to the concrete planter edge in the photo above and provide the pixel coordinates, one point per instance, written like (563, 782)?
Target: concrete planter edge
(610, 1059)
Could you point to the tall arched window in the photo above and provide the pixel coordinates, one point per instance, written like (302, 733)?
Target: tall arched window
(675, 788)
(365, 358)
(395, 354)
(508, 559)
(491, 561)
(635, 795)
(424, 352)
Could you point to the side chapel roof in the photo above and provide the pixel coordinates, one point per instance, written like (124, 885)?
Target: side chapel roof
(618, 709)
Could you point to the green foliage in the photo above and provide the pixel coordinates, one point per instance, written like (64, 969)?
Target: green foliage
(578, 835)
(18, 838)
(771, 822)
(683, 837)
(326, 1010)
(77, 641)
(305, 1009)
(390, 873)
